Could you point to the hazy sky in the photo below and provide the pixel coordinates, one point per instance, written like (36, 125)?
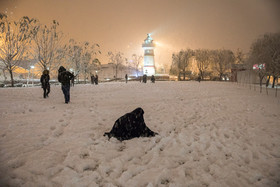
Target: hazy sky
(122, 25)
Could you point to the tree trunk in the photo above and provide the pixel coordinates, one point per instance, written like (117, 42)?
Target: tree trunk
(249, 79)
(116, 72)
(267, 82)
(12, 77)
(261, 78)
(85, 77)
(276, 87)
(201, 75)
(274, 79)
(5, 77)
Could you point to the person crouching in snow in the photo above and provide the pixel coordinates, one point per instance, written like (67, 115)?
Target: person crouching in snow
(45, 81)
(64, 78)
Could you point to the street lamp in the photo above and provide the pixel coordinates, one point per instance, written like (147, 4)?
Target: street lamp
(32, 67)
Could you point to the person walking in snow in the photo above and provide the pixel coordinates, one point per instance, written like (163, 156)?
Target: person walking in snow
(96, 79)
(144, 78)
(199, 78)
(153, 79)
(73, 79)
(92, 78)
(64, 78)
(125, 78)
(45, 81)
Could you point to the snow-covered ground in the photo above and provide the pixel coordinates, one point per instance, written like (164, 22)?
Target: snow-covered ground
(210, 134)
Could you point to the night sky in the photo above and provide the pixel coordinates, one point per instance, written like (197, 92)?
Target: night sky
(122, 25)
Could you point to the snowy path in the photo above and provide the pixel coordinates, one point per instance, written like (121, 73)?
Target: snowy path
(210, 134)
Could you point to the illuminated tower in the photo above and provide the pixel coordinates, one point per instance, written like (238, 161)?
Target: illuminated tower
(149, 62)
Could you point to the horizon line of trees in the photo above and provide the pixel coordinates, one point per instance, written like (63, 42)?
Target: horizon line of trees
(208, 63)
(217, 64)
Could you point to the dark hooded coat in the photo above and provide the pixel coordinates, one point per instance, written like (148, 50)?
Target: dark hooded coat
(45, 79)
(130, 125)
(64, 77)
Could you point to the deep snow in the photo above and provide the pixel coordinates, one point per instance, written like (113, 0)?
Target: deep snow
(210, 134)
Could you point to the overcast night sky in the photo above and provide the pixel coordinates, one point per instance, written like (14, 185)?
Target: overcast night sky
(122, 25)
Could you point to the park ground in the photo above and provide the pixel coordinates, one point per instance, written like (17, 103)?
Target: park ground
(210, 134)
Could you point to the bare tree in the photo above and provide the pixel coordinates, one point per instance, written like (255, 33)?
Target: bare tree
(82, 57)
(203, 59)
(258, 58)
(48, 47)
(239, 57)
(180, 62)
(136, 60)
(117, 59)
(222, 61)
(271, 44)
(88, 58)
(14, 39)
(73, 56)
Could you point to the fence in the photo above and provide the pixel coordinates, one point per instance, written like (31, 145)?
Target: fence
(250, 79)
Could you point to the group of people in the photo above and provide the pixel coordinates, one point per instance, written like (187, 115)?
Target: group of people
(145, 79)
(64, 77)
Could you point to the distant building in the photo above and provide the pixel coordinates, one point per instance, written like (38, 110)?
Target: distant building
(149, 61)
(107, 72)
(236, 68)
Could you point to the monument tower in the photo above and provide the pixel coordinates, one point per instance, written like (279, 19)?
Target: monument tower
(149, 62)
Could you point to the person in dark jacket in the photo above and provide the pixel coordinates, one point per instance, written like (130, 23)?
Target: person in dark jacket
(144, 78)
(199, 79)
(92, 78)
(153, 79)
(73, 79)
(45, 81)
(130, 125)
(64, 78)
(126, 78)
(96, 79)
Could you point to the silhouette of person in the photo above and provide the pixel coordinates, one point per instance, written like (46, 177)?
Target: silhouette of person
(64, 78)
(45, 81)
(126, 78)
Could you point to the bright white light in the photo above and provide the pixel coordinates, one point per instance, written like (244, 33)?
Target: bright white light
(158, 44)
(32, 67)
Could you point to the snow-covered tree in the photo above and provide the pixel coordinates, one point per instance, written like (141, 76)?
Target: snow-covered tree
(15, 36)
(88, 58)
(222, 61)
(136, 61)
(82, 58)
(203, 59)
(272, 50)
(117, 59)
(259, 58)
(48, 48)
(180, 62)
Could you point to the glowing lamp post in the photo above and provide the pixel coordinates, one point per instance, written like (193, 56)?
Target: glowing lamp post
(32, 67)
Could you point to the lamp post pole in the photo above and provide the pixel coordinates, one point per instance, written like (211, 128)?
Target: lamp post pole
(32, 67)
(28, 77)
